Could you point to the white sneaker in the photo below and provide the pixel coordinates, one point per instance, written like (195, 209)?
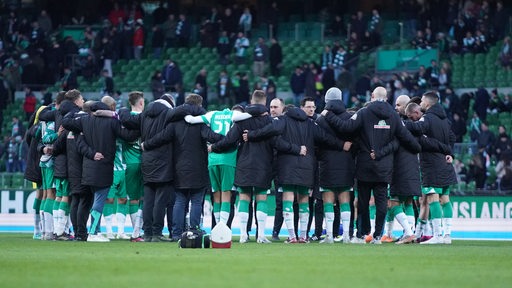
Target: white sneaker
(357, 240)
(123, 236)
(434, 240)
(110, 236)
(97, 238)
(447, 239)
(338, 238)
(327, 240)
(376, 241)
(263, 240)
(346, 239)
(244, 239)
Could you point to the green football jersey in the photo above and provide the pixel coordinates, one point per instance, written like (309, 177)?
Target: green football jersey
(220, 122)
(132, 152)
(119, 164)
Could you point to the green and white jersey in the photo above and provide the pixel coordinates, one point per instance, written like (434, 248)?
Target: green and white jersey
(119, 164)
(132, 152)
(48, 137)
(220, 122)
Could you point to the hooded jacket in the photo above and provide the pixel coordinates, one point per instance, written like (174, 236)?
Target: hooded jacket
(189, 149)
(336, 168)
(254, 159)
(378, 126)
(100, 135)
(435, 171)
(297, 128)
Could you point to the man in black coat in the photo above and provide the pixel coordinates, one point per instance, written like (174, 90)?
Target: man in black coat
(254, 163)
(33, 171)
(336, 170)
(98, 163)
(191, 176)
(379, 126)
(81, 195)
(296, 173)
(436, 168)
(157, 167)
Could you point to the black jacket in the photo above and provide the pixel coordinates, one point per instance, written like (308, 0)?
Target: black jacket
(189, 150)
(73, 156)
(435, 171)
(379, 126)
(336, 168)
(296, 128)
(157, 164)
(100, 135)
(32, 170)
(254, 159)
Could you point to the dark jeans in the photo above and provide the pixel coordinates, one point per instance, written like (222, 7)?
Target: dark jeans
(183, 197)
(156, 199)
(170, 209)
(363, 215)
(81, 204)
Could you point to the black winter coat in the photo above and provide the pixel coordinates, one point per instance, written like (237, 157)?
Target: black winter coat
(32, 170)
(296, 128)
(100, 135)
(157, 164)
(379, 126)
(74, 158)
(336, 168)
(254, 159)
(189, 150)
(435, 171)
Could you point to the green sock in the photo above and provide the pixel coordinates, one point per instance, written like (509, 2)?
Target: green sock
(49, 205)
(287, 206)
(328, 207)
(396, 210)
(345, 207)
(261, 206)
(243, 206)
(133, 207)
(56, 205)
(435, 210)
(303, 207)
(225, 206)
(141, 204)
(37, 205)
(372, 211)
(216, 207)
(121, 208)
(409, 210)
(447, 210)
(65, 207)
(108, 209)
(390, 215)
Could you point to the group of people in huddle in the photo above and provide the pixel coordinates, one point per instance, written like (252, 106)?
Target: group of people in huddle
(90, 160)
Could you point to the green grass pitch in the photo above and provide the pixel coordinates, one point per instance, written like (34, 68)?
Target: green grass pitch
(29, 263)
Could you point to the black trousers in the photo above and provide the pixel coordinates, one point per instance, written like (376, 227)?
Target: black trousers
(169, 210)
(316, 209)
(81, 203)
(156, 199)
(379, 190)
